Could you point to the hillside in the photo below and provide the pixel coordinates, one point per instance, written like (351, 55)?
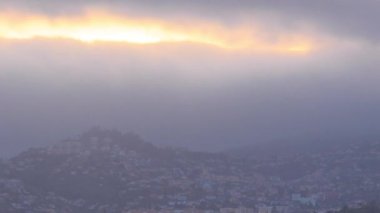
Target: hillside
(108, 171)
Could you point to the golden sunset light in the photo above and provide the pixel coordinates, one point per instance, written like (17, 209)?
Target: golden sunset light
(97, 26)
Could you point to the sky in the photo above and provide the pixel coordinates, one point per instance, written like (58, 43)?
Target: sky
(206, 75)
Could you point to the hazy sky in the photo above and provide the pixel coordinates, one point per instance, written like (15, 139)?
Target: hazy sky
(202, 74)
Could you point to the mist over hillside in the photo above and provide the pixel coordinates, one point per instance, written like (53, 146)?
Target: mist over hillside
(108, 171)
(240, 106)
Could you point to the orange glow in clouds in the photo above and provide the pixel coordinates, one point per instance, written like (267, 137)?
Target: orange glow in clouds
(104, 27)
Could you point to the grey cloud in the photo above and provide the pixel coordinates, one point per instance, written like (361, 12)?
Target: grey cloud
(184, 96)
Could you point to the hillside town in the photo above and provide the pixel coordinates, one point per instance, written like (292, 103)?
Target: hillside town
(108, 171)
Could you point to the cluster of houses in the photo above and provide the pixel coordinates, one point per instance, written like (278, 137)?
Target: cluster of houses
(184, 182)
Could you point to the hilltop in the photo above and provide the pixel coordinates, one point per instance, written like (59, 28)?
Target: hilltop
(106, 170)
